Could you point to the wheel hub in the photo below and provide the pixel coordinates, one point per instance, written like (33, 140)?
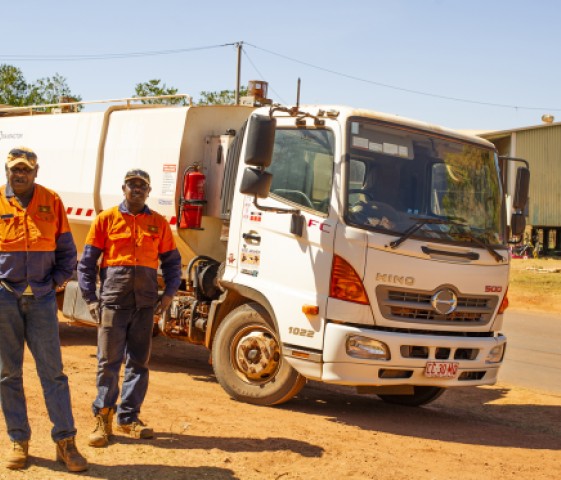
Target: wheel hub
(257, 356)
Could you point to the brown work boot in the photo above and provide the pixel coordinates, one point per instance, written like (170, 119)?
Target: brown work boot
(67, 453)
(17, 459)
(103, 428)
(136, 429)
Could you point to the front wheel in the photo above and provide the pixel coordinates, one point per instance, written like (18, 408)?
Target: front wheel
(247, 359)
(421, 396)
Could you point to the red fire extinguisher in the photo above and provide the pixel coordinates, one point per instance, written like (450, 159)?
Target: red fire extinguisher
(192, 198)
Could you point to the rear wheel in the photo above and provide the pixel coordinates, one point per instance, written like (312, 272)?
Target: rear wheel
(421, 396)
(247, 359)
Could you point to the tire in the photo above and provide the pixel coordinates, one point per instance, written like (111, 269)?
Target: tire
(421, 396)
(247, 359)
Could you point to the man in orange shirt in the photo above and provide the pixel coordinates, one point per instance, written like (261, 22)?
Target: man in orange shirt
(37, 254)
(133, 240)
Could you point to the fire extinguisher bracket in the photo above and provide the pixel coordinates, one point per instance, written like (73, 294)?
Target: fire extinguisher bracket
(193, 202)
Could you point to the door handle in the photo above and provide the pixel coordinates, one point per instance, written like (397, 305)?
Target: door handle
(251, 236)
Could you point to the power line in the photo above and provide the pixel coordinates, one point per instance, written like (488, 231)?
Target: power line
(105, 56)
(401, 89)
(112, 56)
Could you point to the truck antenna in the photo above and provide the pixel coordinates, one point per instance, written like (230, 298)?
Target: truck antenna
(298, 94)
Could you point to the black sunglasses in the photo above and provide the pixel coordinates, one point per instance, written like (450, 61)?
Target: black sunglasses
(21, 170)
(137, 186)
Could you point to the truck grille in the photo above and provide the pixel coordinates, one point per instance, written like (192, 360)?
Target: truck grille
(415, 306)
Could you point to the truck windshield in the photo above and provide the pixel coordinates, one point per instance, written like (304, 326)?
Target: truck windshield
(428, 186)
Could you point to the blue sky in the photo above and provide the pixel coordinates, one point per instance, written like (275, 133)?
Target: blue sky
(407, 57)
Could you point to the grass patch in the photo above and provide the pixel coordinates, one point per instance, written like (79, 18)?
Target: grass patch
(535, 284)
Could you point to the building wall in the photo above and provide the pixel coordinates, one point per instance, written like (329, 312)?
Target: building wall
(542, 148)
(540, 145)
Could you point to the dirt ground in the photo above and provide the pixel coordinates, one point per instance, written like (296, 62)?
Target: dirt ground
(500, 432)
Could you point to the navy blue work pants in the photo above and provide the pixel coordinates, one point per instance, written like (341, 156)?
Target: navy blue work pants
(124, 334)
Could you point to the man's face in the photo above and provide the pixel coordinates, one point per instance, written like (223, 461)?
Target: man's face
(136, 192)
(21, 178)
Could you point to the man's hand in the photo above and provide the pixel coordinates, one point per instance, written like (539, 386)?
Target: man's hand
(93, 307)
(163, 304)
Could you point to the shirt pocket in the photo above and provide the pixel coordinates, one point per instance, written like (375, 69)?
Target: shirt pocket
(119, 236)
(119, 247)
(46, 223)
(149, 241)
(10, 230)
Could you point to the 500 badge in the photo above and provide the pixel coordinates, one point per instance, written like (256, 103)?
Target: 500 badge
(301, 332)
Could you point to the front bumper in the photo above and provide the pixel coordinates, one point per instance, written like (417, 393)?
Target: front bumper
(405, 367)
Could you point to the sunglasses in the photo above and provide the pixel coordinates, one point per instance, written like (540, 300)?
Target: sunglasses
(137, 186)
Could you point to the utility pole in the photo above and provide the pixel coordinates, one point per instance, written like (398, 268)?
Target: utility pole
(239, 47)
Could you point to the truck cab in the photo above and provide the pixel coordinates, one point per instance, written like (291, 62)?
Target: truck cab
(377, 249)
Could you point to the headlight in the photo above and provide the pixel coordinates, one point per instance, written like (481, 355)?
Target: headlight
(364, 347)
(496, 354)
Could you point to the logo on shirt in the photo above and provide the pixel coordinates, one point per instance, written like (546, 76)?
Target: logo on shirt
(153, 228)
(44, 209)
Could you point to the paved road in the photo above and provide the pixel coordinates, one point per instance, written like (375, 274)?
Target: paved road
(533, 355)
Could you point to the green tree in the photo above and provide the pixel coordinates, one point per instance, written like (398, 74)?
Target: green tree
(50, 90)
(153, 88)
(15, 91)
(223, 97)
(13, 88)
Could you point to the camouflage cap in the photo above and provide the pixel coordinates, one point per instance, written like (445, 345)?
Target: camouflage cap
(137, 173)
(21, 155)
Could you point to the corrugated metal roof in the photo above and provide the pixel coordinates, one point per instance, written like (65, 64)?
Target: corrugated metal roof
(502, 133)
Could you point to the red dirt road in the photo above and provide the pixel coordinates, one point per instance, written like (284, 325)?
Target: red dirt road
(498, 432)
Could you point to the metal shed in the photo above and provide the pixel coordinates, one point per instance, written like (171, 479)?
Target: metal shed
(541, 146)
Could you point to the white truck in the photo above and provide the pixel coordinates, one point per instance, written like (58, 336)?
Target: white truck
(328, 243)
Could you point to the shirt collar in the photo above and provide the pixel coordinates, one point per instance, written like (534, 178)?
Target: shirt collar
(10, 192)
(123, 209)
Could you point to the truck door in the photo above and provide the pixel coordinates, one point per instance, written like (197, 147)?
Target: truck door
(293, 271)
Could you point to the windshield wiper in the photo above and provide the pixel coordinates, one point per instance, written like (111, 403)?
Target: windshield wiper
(421, 221)
(496, 255)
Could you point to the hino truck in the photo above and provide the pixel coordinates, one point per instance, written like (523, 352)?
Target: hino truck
(328, 243)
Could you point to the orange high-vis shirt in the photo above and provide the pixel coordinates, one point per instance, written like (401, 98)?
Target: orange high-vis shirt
(37, 250)
(132, 248)
(134, 240)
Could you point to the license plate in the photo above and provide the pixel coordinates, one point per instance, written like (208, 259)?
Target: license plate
(441, 369)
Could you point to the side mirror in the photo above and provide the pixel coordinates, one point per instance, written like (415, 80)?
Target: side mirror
(260, 140)
(256, 182)
(522, 188)
(517, 224)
